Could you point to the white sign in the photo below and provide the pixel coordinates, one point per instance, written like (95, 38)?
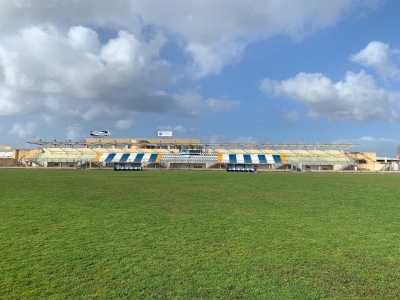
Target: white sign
(165, 133)
(99, 133)
(6, 154)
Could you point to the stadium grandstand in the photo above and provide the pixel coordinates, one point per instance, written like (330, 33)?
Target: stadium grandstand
(168, 153)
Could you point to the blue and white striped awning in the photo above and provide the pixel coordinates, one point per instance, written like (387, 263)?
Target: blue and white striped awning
(211, 158)
(128, 157)
(251, 159)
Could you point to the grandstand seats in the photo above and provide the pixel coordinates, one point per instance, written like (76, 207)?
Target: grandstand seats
(275, 158)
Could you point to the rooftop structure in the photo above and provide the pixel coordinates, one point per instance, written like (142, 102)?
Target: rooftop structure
(180, 143)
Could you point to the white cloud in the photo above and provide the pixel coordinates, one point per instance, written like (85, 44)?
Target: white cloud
(211, 59)
(215, 33)
(103, 113)
(83, 39)
(52, 104)
(195, 105)
(179, 129)
(75, 63)
(191, 114)
(65, 71)
(216, 138)
(48, 47)
(8, 106)
(292, 115)
(123, 124)
(221, 105)
(75, 133)
(355, 98)
(377, 55)
(71, 59)
(23, 130)
(244, 140)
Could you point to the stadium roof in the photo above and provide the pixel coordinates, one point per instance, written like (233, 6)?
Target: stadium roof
(71, 144)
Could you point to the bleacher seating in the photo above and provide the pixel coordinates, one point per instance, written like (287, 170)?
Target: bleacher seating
(247, 157)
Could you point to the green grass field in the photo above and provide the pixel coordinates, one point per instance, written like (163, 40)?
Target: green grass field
(198, 235)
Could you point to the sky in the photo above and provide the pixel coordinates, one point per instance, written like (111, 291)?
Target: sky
(277, 71)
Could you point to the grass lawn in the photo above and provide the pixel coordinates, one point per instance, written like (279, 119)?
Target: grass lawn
(198, 235)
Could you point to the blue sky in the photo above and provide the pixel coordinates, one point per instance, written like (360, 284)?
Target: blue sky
(223, 71)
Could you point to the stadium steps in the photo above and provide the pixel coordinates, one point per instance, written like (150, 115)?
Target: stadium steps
(295, 168)
(346, 167)
(34, 155)
(99, 165)
(279, 166)
(36, 163)
(386, 167)
(34, 159)
(81, 165)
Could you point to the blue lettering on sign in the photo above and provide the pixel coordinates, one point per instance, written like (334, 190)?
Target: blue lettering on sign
(100, 133)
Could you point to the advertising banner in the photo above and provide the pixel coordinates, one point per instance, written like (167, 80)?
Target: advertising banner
(165, 133)
(5, 148)
(6, 154)
(101, 133)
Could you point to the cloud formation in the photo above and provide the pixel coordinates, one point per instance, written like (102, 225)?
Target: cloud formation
(378, 56)
(75, 64)
(122, 75)
(123, 124)
(23, 130)
(355, 98)
(292, 115)
(213, 33)
(75, 133)
(72, 61)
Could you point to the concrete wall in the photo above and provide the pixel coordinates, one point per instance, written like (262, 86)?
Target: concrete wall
(16, 158)
(366, 160)
(7, 162)
(20, 154)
